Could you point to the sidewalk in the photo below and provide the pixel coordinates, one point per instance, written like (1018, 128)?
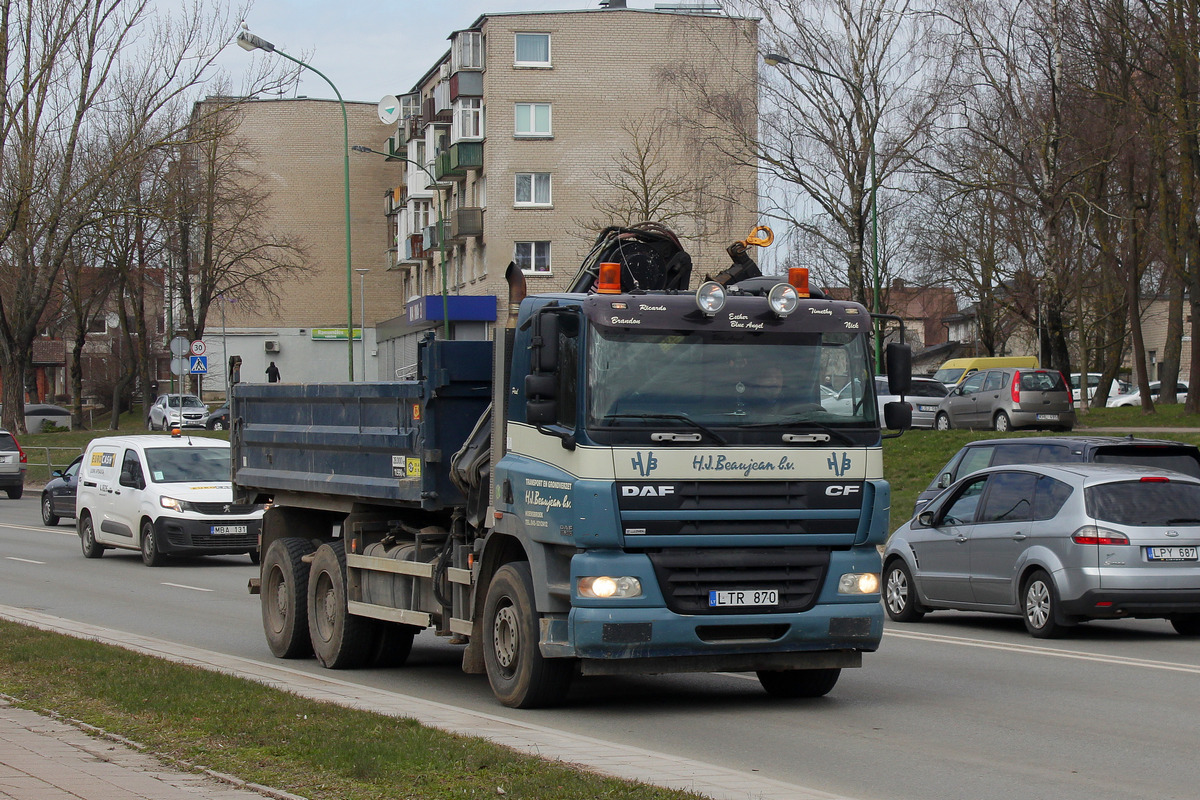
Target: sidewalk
(44, 759)
(41, 761)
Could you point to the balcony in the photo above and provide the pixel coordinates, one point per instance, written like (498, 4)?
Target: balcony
(432, 239)
(414, 248)
(466, 223)
(443, 170)
(466, 155)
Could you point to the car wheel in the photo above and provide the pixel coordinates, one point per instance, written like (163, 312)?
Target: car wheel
(899, 594)
(798, 682)
(219, 425)
(87, 538)
(48, 516)
(339, 639)
(15, 492)
(285, 597)
(1001, 423)
(1040, 607)
(520, 676)
(942, 422)
(151, 555)
(1186, 624)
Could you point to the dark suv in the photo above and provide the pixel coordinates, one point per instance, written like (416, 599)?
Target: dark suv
(1175, 456)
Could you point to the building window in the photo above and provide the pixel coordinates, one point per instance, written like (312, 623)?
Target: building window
(533, 189)
(468, 50)
(468, 118)
(532, 119)
(420, 215)
(533, 257)
(532, 50)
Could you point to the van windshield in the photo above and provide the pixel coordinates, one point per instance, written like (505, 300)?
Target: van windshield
(188, 464)
(948, 375)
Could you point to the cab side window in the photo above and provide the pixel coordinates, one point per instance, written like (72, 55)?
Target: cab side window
(131, 470)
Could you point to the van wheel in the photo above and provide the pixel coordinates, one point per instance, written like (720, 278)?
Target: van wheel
(1040, 607)
(284, 594)
(151, 555)
(899, 593)
(798, 682)
(1001, 423)
(941, 422)
(87, 537)
(49, 518)
(339, 640)
(521, 677)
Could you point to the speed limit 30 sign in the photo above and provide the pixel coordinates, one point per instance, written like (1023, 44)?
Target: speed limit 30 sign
(198, 348)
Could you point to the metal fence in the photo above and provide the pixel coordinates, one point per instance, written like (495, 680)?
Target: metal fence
(41, 461)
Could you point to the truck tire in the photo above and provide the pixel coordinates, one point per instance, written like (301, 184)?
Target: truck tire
(392, 644)
(284, 597)
(520, 676)
(339, 640)
(799, 682)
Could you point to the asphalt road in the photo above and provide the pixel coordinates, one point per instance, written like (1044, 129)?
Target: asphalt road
(958, 706)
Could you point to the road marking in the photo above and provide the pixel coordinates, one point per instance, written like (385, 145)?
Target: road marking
(1052, 652)
(60, 532)
(25, 560)
(185, 586)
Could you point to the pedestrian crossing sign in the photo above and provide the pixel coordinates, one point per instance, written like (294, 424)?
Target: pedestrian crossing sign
(199, 365)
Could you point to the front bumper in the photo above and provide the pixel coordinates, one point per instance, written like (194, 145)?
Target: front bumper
(176, 535)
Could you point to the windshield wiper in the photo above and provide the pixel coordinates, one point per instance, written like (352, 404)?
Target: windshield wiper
(677, 417)
(803, 419)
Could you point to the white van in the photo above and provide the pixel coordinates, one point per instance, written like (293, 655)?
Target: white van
(163, 495)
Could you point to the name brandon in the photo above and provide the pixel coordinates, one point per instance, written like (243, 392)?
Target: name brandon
(720, 463)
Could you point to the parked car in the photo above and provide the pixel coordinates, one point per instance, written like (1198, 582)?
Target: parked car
(12, 466)
(58, 495)
(164, 495)
(1133, 397)
(1093, 382)
(1056, 544)
(176, 411)
(1157, 453)
(218, 420)
(956, 370)
(923, 397)
(1006, 399)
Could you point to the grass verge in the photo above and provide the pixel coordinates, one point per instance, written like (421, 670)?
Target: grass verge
(235, 726)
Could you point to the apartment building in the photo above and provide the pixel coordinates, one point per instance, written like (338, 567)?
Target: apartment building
(518, 140)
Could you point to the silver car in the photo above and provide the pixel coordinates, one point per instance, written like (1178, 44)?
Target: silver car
(1055, 544)
(1005, 399)
(923, 397)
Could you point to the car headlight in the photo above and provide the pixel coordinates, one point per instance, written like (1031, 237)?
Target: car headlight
(603, 587)
(176, 505)
(859, 583)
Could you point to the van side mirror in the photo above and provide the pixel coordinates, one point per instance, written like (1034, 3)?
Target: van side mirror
(899, 369)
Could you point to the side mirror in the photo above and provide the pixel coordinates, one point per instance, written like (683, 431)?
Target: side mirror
(943, 480)
(58, 473)
(899, 368)
(545, 342)
(897, 415)
(925, 518)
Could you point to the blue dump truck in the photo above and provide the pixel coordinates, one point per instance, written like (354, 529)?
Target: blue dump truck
(633, 477)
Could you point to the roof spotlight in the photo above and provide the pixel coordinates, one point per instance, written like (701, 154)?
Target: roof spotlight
(783, 299)
(710, 297)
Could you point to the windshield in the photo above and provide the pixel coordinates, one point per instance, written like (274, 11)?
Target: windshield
(186, 401)
(188, 464)
(722, 385)
(948, 375)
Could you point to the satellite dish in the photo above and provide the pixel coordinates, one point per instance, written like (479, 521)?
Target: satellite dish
(389, 109)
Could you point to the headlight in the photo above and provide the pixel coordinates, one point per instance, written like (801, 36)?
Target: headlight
(176, 505)
(603, 587)
(710, 297)
(859, 583)
(783, 299)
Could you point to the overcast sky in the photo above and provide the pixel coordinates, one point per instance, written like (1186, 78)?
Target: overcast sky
(372, 48)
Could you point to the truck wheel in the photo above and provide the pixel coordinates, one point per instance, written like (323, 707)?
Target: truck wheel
(284, 595)
(339, 640)
(798, 682)
(520, 676)
(87, 538)
(151, 555)
(393, 644)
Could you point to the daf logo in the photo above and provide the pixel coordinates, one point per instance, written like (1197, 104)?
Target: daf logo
(1172, 534)
(841, 491)
(647, 491)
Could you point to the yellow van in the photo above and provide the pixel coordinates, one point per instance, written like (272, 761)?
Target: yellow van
(954, 370)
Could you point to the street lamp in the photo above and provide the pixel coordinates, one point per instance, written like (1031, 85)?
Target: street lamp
(778, 59)
(440, 225)
(362, 315)
(248, 41)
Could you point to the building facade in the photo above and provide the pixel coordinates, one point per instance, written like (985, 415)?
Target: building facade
(516, 139)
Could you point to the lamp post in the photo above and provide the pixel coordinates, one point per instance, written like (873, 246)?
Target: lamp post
(362, 315)
(777, 59)
(248, 41)
(440, 225)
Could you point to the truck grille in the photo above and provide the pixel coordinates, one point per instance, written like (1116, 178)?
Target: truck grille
(687, 576)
